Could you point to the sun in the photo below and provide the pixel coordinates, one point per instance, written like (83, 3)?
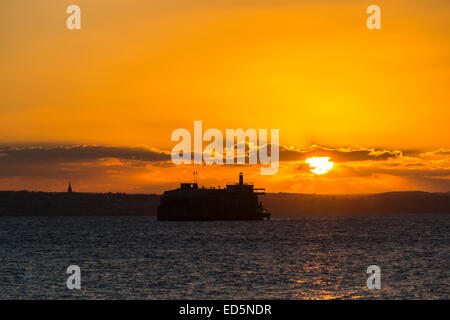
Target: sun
(320, 165)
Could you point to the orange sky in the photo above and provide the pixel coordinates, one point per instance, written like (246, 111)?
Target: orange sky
(139, 69)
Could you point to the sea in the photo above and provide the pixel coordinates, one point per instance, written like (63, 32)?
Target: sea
(295, 257)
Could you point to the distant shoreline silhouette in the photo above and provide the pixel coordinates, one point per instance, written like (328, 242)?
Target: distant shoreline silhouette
(32, 203)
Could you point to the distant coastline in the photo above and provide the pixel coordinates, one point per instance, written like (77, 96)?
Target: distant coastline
(32, 203)
(403, 202)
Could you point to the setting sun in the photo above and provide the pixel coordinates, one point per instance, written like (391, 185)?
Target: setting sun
(320, 165)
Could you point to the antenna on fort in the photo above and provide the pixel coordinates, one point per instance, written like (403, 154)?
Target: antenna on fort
(195, 173)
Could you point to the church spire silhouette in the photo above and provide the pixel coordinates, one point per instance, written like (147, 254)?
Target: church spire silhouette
(69, 189)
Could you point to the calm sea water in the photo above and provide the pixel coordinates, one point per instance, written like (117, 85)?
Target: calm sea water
(285, 258)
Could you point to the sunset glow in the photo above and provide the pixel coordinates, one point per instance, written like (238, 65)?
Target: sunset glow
(320, 165)
(97, 106)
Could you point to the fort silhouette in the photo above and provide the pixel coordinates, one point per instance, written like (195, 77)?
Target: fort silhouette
(234, 202)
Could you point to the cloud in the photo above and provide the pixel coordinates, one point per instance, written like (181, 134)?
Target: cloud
(32, 155)
(436, 153)
(105, 168)
(77, 163)
(341, 154)
(337, 154)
